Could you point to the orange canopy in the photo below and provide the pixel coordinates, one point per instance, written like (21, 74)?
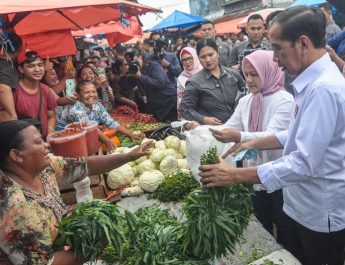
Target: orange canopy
(52, 43)
(229, 26)
(141, 38)
(34, 16)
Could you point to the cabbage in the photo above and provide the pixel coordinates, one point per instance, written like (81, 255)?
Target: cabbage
(179, 156)
(182, 163)
(146, 165)
(168, 166)
(120, 176)
(170, 152)
(135, 170)
(172, 142)
(141, 159)
(150, 180)
(135, 182)
(132, 191)
(157, 155)
(160, 145)
(182, 149)
(132, 164)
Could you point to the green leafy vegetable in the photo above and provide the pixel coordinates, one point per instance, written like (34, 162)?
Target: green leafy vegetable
(216, 217)
(92, 226)
(176, 187)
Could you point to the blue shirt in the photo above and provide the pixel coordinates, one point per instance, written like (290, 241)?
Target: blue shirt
(79, 112)
(312, 168)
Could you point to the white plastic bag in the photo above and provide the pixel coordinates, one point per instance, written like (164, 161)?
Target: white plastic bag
(198, 141)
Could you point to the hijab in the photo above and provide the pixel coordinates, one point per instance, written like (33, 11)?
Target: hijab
(197, 65)
(271, 79)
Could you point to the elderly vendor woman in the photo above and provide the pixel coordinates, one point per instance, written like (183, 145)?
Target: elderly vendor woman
(30, 202)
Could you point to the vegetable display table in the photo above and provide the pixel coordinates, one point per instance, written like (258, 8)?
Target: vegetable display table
(255, 244)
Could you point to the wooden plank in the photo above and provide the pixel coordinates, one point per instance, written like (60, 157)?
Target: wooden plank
(94, 181)
(98, 192)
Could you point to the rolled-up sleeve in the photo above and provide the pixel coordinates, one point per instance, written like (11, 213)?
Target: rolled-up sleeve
(312, 138)
(68, 170)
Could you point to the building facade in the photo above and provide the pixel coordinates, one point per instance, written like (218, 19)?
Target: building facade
(215, 9)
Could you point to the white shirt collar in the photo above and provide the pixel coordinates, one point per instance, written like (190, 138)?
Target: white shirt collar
(311, 73)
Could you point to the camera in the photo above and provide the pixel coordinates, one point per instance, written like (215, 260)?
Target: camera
(159, 49)
(133, 67)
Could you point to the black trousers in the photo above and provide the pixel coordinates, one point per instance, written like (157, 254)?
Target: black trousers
(268, 209)
(315, 248)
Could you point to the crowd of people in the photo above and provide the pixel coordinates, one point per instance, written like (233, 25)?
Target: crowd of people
(279, 90)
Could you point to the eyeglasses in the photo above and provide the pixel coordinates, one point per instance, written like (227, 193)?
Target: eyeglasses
(187, 59)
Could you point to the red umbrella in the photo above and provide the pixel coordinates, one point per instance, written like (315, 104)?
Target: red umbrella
(36, 16)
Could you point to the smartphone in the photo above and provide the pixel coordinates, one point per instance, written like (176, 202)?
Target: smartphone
(70, 87)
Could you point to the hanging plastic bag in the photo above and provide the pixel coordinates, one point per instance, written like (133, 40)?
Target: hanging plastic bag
(198, 141)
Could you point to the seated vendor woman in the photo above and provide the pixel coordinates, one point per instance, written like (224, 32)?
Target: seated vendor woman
(31, 206)
(88, 109)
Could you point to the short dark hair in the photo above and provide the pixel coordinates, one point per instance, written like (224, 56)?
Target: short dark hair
(254, 17)
(207, 22)
(81, 69)
(81, 84)
(327, 7)
(154, 33)
(302, 20)
(119, 48)
(15, 45)
(149, 42)
(206, 42)
(11, 138)
(95, 57)
(116, 66)
(271, 16)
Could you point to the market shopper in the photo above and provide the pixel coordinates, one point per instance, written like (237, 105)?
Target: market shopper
(104, 91)
(311, 171)
(125, 88)
(9, 77)
(32, 98)
(31, 205)
(211, 95)
(191, 66)
(265, 111)
(88, 109)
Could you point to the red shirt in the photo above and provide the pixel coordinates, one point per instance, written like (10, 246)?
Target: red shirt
(27, 105)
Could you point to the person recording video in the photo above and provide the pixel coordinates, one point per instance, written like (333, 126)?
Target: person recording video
(159, 80)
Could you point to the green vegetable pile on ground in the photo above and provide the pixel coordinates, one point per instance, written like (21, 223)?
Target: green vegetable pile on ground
(176, 187)
(216, 217)
(154, 237)
(144, 126)
(90, 227)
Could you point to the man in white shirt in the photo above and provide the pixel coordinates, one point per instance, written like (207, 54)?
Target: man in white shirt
(311, 171)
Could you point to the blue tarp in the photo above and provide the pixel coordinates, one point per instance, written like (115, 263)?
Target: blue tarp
(308, 2)
(178, 20)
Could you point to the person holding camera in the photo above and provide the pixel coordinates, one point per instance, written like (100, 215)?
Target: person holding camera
(159, 81)
(125, 88)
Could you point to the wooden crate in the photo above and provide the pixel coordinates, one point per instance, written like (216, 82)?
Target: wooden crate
(94, 181)
(69, 197)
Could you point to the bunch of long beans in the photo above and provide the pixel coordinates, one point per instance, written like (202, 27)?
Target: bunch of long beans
(217, 217)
